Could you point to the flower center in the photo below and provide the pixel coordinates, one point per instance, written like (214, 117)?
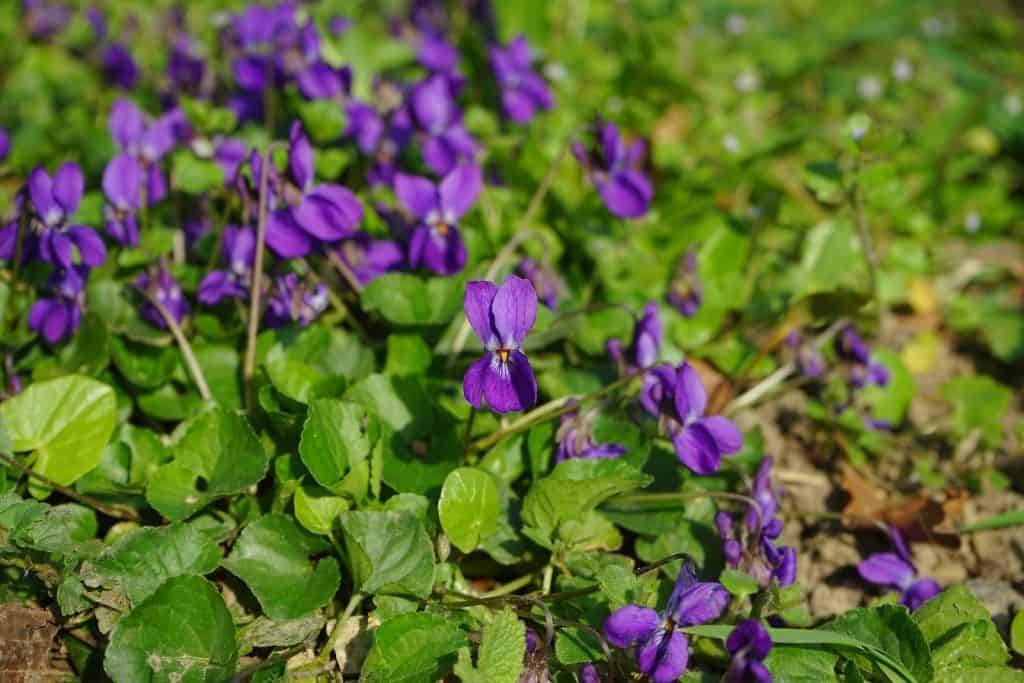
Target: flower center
(441, 228)
(503, 355)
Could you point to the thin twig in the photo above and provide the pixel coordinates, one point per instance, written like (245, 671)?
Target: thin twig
(345, 271)
(186, 348)
(115, 511)
(316, 666)
(249, 363)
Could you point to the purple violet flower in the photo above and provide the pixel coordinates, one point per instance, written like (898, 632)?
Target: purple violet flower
(147, 143)
(55, 201)
(548, 283)
(866, 370)
(291, 301)
(5, 145)
(436, 113)
(45, 18)
(238, 251)
(662, 652)
(523, 91)
(501, 317)
(749, 645)
(368, 258)
(60, 315)
(436, 244)
(119, 66)
(750, 547)
(160, 285)
(186, 68)
(614, 168)
(575, 438)
(646, 345)
(678, 399)
(122, 179)
(685, 292)
(896, 570)
(307, 214)
(808, 359)
(588, 674)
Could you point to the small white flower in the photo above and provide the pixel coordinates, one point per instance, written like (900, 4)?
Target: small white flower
(972, 221)
(870, 87)
(555, 71)
(731, 143)
(1013, 104)
(747, 81)
(902, 70)
(735, 24)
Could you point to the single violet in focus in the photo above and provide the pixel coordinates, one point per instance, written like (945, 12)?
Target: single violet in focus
(614, 168)
(238, 251)
(55, 200)
(685, 293)
(523, 91)
(368, 258)
(501, 317)
(662, 651)
(678, 399)
(291, 301)
(548, 283)
(748, 645)
(59, 315)
(436, 243)
(159, 285)
(897, 571)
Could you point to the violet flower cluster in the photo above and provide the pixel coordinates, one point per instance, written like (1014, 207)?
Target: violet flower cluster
(575, 437)
(662, 651)
(896, 571)
(750, 545)
(615, 168)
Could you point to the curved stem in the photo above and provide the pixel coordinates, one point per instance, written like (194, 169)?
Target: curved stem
(186, 348)
(249, 363)
(116, 511)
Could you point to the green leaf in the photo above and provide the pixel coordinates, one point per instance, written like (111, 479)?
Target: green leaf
(316, 509)
(218, 455)
(64, 422)
(143, 365)
(141, 560)
(888, 628)
(575, 487)
(500, 659)
(406, 299)
(825, 180)
(413, 648)
(31, 525)
(389, 553)
(324, 120)
(334, 434)
(979, 402)
(408, 354)
(1017, 633)
(792, 664)
(832, 260)
(193, 175)
(959, 630)
(272, 557)
(399, 402)
(182, 633)
(301, 381)
(1000, 521)
(738, 583)
(468, 507)
(890, 403)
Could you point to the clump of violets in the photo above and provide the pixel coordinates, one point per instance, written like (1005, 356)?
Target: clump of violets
(304, 214)
(548, 283)
(523, 91)
(614, 166)
(54, 201)
(158, 285)
(897, 571)
(146, 142)
(748, 645)
(446, 142)
(678, 399)
(866, 369)
(575, 438)
(367, 258)
(685, 291)
(809, 360)
(662, 652)
(646, 344)
(750, 546)
(122, 179)
(5, 145)
(501, 317)
(59, 315)
(291, 301)
(435, 243)
(238, 251)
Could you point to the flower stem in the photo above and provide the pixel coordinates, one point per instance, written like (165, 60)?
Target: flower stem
(864, 233)
(551, 410)
(186, 348)
(508, 588)
(317, 665)
(116, 511)
(345, 271)
(249, 363)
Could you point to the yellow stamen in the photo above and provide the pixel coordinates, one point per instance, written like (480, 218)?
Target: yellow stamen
(503, 355)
